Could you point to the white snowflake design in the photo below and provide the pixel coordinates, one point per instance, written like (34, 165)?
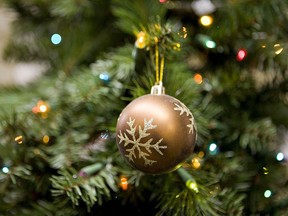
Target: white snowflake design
(183, 109)
(137, 145)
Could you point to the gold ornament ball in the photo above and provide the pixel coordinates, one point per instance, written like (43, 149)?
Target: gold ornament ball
(156, 133)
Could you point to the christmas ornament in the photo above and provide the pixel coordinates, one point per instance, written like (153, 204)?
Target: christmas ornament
(156, 132)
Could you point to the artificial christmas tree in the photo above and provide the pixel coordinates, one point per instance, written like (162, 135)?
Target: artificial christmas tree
(225, 60)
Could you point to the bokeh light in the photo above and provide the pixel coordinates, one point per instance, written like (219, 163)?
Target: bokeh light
(241, 55)
(213, 148)
(141, 40)
(43, 108)
(183, 33)
(198, 78)
(280, 156)
(124, 183)
(46, 139)
(19, 139)
(5, 169)
(265, 171)
(104, 77)
(192, 185)
(210, 44)
(201, 154)
(206, 20)
(56, 39)
(196, 163)
(267, 193)
(278, 49)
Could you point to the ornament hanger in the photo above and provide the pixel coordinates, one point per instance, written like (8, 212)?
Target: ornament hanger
(158, 88)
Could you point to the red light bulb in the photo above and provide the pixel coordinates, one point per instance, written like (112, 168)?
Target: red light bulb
(241, 55)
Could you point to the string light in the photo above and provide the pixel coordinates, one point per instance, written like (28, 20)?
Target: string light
(196, 163)
(177, 47)
(213, 148)
(241, 55)
(265, 170)
(140, 42)
(104, 77)
(206, 20)
(42, 108)
(124, 183)
(280, 156)
(198, 78)
(188, 179)
(267, 194)
(46, 139)
(19, 139)
(201, 154)
(192, 185)
(183, 33)
(278, 49)
(5, 170)
(56, 39)
(210, 44)
(205, 41)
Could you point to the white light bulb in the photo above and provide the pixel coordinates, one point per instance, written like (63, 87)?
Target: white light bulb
(267, 193)
(5, 170)
(280, 156)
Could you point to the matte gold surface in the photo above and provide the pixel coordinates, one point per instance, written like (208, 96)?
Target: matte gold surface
(169, 139)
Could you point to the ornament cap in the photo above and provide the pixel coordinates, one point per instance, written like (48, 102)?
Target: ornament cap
(158, 89)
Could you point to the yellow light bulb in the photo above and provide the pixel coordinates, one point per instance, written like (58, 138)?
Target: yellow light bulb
(183, 33)
(201, 154)
(196, 163)
(141, 40)
(192, 185)
(206, 20)
(19, 139)
(124, 183)
(265, 170)
(43, 108)
(278, 49)
(46, 139)
(177, 46)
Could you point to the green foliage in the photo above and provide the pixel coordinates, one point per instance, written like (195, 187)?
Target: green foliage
(80, 24)
(239, 105)
(135, 15)
(89, 189)
(254, 137)
(176, 199)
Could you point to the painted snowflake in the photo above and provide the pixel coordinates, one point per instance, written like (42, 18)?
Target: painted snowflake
(184, 110)
(136, 145)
